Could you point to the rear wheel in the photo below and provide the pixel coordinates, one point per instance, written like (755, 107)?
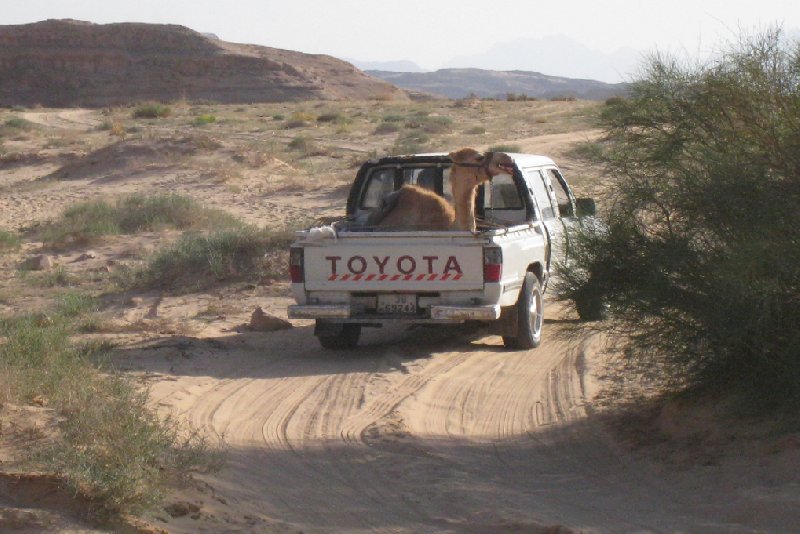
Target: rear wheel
(341, 336)
(530, 316)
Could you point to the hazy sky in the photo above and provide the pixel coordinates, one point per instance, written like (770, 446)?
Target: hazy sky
(431, 32)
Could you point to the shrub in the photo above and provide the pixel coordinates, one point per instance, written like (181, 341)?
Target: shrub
(299, 119)
(111, 448)
(588, 150)
(197, 260)
(431, 124)
(698, 258)
(476, 130)
(8, 240)
(18, 123)
(307, 146)
(393, 118)
(332, 117)
(201, 120)
(83, 222)
(506, 148)
(302, 143)
(152, 111)
(521, 97)
(387, 128)
(412, 143)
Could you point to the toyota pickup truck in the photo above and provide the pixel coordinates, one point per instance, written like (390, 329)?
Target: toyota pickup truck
(351, 275)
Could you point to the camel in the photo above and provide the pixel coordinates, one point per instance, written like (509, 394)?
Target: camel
(416, 208)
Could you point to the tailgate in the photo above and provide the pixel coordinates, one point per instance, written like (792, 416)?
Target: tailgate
(394, 265)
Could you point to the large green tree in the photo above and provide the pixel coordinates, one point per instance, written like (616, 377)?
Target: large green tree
(697, 259)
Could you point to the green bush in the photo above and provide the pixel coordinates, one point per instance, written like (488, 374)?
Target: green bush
(18, 123)
(81, 223)
(414, 142)
(588, 150)
(332, 117)
(197, 260)
(436, 124)
(698, 257)
(201, 120)
(8, 240)
(513, 149)
(152, 111)
(393, 118)
(112, 448)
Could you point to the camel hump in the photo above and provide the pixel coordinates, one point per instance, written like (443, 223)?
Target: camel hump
(388, 203)
(413, 207)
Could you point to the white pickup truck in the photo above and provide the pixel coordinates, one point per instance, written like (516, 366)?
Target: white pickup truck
(352, 275)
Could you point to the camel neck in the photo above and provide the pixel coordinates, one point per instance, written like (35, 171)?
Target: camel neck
(464, 200)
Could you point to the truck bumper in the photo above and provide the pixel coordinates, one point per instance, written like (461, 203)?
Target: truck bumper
(465, 313)
(441, 314)
(320, 311)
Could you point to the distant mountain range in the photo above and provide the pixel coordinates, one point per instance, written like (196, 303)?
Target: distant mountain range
(461, 83)
(401, 65)
(557, 56)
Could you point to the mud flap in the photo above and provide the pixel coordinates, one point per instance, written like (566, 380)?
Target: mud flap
(327, 328)
(508, 323)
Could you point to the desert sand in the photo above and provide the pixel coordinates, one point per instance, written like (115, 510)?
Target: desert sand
(416, 430)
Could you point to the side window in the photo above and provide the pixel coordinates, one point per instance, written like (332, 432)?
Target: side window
(379, 184)
(562, 197)
(538, 188)
(501, 201)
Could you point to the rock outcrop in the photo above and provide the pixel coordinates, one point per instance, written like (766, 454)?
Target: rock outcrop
(71, 63)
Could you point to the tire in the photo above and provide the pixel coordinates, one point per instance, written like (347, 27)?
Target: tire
(346, 338)
(530, 318)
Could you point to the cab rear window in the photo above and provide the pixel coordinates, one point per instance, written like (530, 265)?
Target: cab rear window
(383, 181)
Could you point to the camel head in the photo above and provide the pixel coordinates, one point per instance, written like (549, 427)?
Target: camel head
(477, 167)
(471, 169)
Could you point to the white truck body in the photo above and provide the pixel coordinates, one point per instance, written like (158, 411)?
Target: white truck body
(355, 275)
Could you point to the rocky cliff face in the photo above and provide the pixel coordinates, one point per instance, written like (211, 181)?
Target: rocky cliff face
(71, 63)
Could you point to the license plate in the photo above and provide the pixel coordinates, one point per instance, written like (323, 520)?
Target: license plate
(397, 304)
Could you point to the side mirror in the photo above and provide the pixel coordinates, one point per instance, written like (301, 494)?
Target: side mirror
(585, 207)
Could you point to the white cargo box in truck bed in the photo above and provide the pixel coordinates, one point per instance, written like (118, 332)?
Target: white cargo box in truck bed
(351, 275)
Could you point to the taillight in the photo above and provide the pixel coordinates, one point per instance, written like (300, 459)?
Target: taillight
(296, 264)
(492, 264)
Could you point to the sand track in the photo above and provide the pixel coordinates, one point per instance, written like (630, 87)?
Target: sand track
(418, 431)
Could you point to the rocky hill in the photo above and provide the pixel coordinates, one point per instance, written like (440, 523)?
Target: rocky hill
(460, 83)
(71, 63)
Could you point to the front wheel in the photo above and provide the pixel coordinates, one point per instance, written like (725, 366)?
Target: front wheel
(530, 316)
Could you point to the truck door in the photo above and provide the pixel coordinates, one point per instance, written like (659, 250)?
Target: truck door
(564, 202)
(545, 199)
